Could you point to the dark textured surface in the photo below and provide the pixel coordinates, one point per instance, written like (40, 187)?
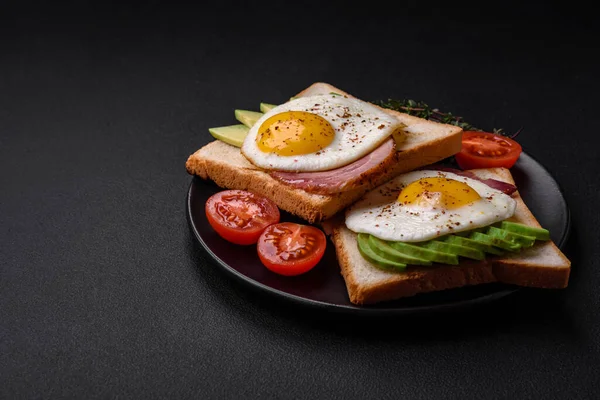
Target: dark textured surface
(105, 293)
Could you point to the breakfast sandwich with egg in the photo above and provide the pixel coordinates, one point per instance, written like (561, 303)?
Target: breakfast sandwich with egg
(435, 229)
(323, 149)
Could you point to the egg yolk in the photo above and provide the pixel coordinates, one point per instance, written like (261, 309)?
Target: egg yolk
(438, 192)
(293, 133)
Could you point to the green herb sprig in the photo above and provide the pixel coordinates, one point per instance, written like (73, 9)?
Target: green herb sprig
(423, 110)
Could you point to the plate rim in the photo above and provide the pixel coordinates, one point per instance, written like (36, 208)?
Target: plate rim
(366, 310)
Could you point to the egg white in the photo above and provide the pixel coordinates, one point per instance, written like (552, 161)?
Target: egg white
(380, 214)
(359, 126)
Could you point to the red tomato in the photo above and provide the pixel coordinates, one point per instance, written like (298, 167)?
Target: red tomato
(486, 150)
(291, 249)
(240, 216)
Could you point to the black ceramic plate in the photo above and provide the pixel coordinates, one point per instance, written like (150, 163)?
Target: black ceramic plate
(324, 287)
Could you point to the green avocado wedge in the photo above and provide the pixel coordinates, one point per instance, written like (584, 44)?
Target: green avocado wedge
(467, 252)
(232, 134)
(424, 253)
(382, 249)
(380, 262)
(496, 240)
(503, 244)
(521, 229)
(266, 107)
(521, 240)
(247, 118)
(464, 241)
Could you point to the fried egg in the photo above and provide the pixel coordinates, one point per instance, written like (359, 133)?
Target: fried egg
(423, 205)
(317, 133)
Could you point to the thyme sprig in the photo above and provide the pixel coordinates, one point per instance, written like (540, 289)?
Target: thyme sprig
(423, 110)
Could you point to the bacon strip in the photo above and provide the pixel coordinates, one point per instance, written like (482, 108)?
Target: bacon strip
(340, 179)
(504, 187)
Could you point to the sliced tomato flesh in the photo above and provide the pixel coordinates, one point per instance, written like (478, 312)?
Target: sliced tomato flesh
(487, 150)
(240, 216)
(290, 249)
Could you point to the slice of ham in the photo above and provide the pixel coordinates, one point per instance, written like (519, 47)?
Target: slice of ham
(360, 172)
(340, 179)
(493, 183)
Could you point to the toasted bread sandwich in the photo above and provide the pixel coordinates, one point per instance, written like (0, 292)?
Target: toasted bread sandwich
(380, 144)
(376, 267)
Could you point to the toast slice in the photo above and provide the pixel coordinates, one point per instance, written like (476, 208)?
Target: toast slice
(425, 142)
(541, 266)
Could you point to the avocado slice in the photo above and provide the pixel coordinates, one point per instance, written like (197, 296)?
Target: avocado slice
(503, 244)
(424, 253)
(522, 240)
(522, 229)
(467, 252)
(266, 107)
(366, 251)
(384, 250)
(464, 241)
(468, 232)
(232, 134)
(247, 118)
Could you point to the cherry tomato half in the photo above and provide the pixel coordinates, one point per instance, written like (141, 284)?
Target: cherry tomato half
(487, 150)
(291, 249)
(240, 216)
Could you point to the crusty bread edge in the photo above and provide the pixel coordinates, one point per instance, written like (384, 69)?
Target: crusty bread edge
(310, 207)
(511, 271)
(442, 277)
